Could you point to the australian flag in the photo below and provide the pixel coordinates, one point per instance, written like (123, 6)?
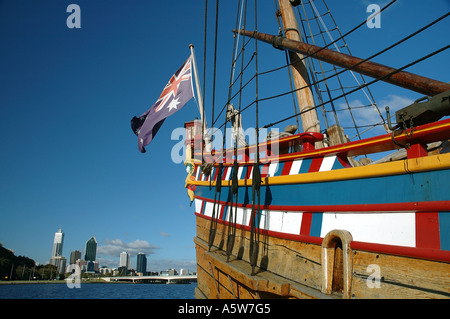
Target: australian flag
(174, 96)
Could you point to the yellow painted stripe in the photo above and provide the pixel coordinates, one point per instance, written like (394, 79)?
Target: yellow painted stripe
(421, 164)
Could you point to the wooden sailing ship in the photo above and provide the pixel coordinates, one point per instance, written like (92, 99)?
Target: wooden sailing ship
(299, 217)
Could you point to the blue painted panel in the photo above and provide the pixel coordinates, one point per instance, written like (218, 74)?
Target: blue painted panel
(337, 164)
(279, 169)
(444, 230)
(306, 164)
(419, 187)
(316, 224)
(225, 212)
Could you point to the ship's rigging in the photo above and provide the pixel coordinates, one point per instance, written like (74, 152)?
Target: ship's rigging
(317, 26)
(246, 198)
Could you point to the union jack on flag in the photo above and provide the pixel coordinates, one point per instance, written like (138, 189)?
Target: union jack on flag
(171, 89)
(175, 95)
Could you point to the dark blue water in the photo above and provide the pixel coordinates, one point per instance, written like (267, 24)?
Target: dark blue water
(98, 291)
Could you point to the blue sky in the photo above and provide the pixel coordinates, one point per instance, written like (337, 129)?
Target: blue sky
(68, 156)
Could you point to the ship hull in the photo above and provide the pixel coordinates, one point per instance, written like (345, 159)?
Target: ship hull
(289, 268)
(319, 228)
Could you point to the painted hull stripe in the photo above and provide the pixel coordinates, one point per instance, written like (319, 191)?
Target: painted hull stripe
(371, 191)
(408, 251)
(293, 167)
(407, 228)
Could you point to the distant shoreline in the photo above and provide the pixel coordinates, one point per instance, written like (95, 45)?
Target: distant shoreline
(24, 282)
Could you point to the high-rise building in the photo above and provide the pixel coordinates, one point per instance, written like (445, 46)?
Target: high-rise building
(74, 256)
(124, 260)
(141, 264)
(60, 263)
(58, 244)
(57, 259)
(91, 249)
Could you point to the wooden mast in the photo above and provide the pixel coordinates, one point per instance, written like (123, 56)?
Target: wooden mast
(410, 81)
(310, 121)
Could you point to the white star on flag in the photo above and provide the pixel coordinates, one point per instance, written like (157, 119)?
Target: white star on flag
(173, 104)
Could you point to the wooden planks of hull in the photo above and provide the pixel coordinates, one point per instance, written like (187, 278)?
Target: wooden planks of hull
(294, 269)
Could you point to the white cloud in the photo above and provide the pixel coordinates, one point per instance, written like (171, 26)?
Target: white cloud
(164, 234)
(395, 102)
(368, 115)
(114, 247)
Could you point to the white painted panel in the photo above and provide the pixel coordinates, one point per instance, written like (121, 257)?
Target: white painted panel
(243, 216)
(327, 163)
(241, 168)
(198, 205)
(208, 208)
(295, 168)
(273, 167)
(197, 174)
(229, 169)
(281, 221)
(273, 220)
(382, 228)
(292, 222)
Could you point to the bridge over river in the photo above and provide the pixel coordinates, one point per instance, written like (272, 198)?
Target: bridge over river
(178, 279)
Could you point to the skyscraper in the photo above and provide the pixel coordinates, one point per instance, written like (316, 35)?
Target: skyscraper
(58, 244)
(57, 259)
(91, 249)
(124, 260)
(141, 264)
(74, 256)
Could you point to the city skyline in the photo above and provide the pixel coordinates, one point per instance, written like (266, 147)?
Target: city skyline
(125, 258)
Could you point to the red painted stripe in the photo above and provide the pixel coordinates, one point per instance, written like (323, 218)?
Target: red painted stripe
(344, 161)
(249, 171)
(196, 171)
(286, 168)
(201, 209)
(216, 172)
(315, 164)
(427, 230)
(436, 206)
(225, 170)
(222, 209)
(306, 224)
(265, 170)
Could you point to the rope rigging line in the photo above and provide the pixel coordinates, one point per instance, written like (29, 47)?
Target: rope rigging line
(256, 178)
(342, 69)
(362, 61)
(204, 72)
(231, 229)
(322, 24)
(215, 61)
(316, 12)
(370, 83)
(218, 188)
(331, 43)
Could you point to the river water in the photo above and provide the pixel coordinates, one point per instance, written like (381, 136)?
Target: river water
(98, 291)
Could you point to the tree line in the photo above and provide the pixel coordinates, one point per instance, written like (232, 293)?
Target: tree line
(14, 267)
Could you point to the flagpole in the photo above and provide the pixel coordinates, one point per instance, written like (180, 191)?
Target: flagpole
(197, 84)
(200, 96)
